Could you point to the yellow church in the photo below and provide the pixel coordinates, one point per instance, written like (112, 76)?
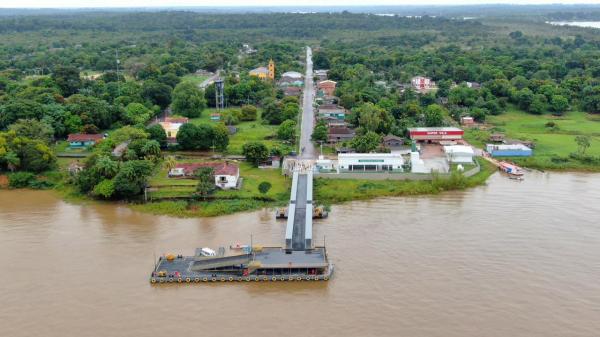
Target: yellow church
(263, 73)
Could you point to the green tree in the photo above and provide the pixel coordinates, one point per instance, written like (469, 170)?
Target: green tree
(12, 161)
(366, 143)
(287, 131)
(104, 189)
(538, 105)
(583, 143)
(136, 113)
(559, 104)
(157, 93)
(132, 177)
(107, 167)
(320, 133)
(249, 113)
(206, 181)
(35, 155)
(434, 115)
(373, 118)
(157, 133)
(591, 99)
(255, 152)
(188, 100)
(220, 137)
(33, 129)
(67, 79)
(151, 150)
(264, 187)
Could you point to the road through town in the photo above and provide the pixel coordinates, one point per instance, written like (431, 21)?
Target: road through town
(307, 124)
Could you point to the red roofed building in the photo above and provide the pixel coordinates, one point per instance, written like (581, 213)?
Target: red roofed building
(79, 140)
(327, 87)
(436, 134)
(226, 174)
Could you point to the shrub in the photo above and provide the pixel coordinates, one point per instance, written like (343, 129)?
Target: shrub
(20, 179)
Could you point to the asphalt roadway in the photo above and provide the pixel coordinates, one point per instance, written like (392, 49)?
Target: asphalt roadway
(308, 117)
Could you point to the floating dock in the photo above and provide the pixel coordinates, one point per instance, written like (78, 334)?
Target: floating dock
(299, 260)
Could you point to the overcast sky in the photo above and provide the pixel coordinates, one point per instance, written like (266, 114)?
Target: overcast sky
(213, 3)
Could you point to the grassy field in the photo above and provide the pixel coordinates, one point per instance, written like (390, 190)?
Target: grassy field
(252, 177)
(552, 144)
(246, 132)
(196, 79)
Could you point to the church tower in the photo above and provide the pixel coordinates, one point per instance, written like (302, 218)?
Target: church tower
(271, 69)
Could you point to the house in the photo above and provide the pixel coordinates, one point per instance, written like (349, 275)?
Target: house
(392, 141)
(215, 117)
(497, 137)
(271, 162)
(226, 174)
(333, 111)
(292, 75)
(421, 83)
(321, 74)
(338, 134)
(81, 140)
(264, 72)
(292, 91)
(473, 85)
(171, 125)
(327, 87)
(467, 120)
(460, 154)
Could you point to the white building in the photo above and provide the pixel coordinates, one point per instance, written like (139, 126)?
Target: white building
(460, 154)
(420, 83)
(369, 162)
(417, 165)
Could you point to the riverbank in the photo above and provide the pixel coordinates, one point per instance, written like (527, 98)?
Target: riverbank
(327, 192)
(554, 137)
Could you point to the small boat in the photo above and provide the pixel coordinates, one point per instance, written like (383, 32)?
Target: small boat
(511, 169)
(238, 246)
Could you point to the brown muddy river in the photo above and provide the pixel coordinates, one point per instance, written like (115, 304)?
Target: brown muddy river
(507, 259)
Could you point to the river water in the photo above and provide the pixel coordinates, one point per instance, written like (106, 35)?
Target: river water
(507, 259)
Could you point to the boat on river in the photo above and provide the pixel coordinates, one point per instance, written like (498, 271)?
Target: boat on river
(512, 170)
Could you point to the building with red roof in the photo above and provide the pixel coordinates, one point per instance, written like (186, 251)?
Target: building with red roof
(80, 140)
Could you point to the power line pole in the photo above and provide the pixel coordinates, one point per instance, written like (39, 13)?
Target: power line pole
(118, 79)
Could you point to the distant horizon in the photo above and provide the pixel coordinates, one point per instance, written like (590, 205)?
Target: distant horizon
(156, 4)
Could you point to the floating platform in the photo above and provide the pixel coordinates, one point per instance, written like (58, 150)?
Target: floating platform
(264, 264)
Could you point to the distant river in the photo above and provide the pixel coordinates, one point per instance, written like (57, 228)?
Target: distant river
(586, 24)
(506, 259)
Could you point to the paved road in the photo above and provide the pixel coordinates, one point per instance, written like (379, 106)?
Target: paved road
(307, 111)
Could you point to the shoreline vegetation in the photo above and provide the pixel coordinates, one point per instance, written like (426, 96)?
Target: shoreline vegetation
(327, 192)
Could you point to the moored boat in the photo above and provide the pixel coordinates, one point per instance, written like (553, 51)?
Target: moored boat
(511, 169)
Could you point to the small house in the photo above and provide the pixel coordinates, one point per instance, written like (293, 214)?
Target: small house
(81, 140)
(340, 134)
(215, 117)
(467, 120)
(226, 174)
(497, 137)
(421, 83)
(392, 141)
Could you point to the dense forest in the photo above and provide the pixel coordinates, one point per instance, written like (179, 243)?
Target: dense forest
(58, 75)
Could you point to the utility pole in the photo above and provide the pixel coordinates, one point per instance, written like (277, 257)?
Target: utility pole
(117, 61)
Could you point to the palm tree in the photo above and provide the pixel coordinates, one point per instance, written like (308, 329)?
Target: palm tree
(170, 163)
